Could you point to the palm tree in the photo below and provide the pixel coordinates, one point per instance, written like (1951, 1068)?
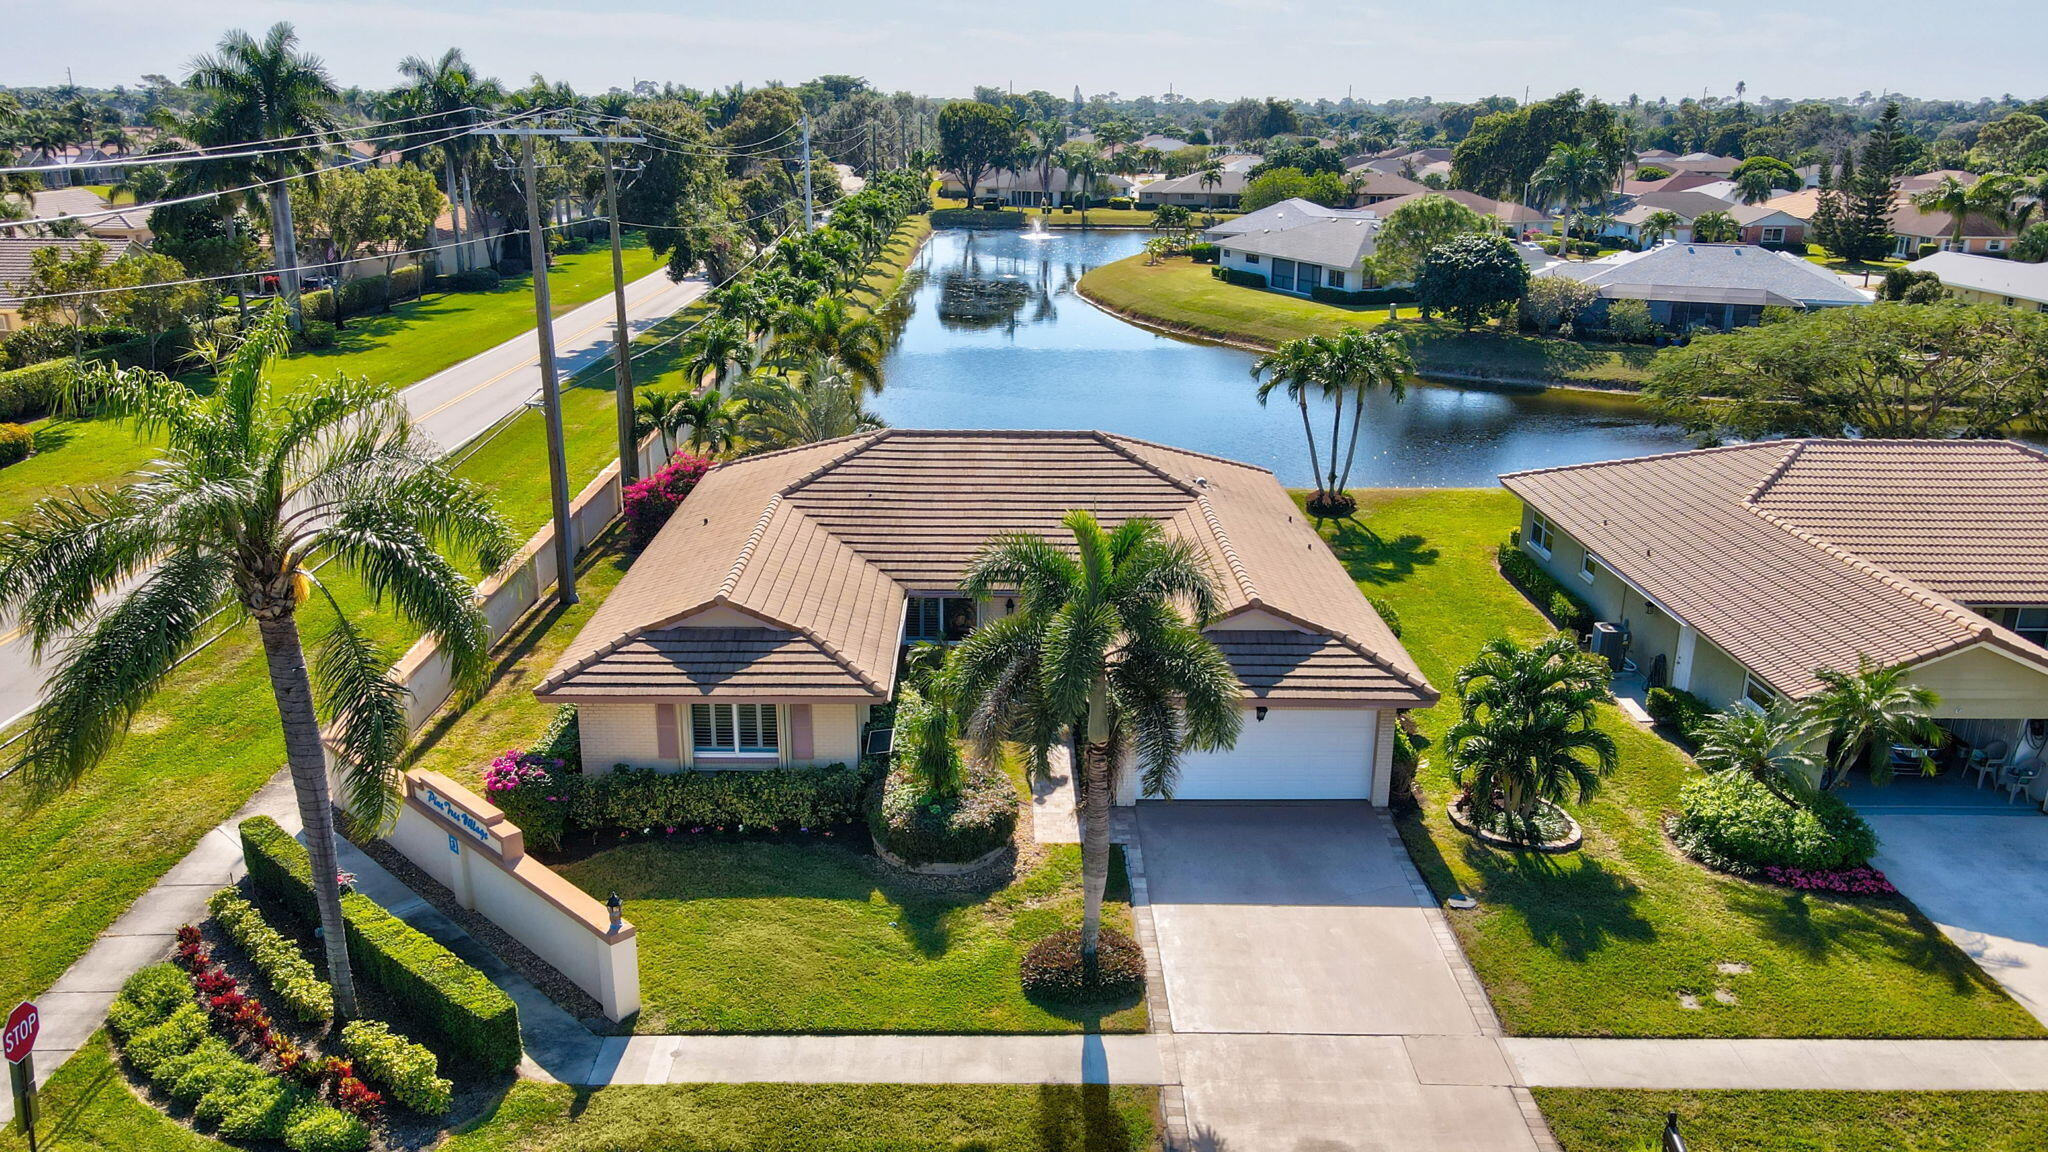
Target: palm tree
(1350, 364)
(830, 329)
(818, 401)
(1212, 178)
(1991, 196)
(1757, 185)
(1768, 747)
(1084, 163)
(1866, 712)
(711, 417)
(1659, 224)
(1048, 137)
(448, 90)
(266, 90)
(1098, 650)
(1716, 227)
(1573, 174)
(251, 489)
(1296, 367)
(716, 347)
(1528, 730)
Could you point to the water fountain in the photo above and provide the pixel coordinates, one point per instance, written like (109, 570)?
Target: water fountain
(1035, 229)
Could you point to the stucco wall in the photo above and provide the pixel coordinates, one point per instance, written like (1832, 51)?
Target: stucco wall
(631, 734)
(1981, 683)
(1716, 677)
(620, 734)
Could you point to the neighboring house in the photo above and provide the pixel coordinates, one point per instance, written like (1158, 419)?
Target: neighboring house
(1517, 219)
(1988, 279)
(1737, 572)
(1322, 253)
(1763, 224)
(1370, 187)
(1676, 182)
(17, 255)
(1913, 228)
(1656, 156)
(1720, 285)
(1190, 190)
(767, 620)
(1687, 206)
(1925, 180)
(1727, 191)
(1720, 167)
(1025, 190)
(1285, 214)
(72, 165)
(1800, 205)
(107, 222)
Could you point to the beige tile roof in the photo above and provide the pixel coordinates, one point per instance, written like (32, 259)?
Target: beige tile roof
(796, 566)
(1804, 554)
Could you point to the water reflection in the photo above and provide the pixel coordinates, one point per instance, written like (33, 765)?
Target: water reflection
(993, 336)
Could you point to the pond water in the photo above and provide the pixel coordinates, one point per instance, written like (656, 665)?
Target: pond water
(995, 337)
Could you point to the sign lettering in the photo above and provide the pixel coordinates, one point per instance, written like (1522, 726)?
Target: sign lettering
(19, 1037)
(456, 815)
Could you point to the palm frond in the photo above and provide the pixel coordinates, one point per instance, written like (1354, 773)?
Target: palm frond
(364, 711)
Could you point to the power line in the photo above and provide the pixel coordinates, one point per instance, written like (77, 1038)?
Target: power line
(192, 155)
(197, 196)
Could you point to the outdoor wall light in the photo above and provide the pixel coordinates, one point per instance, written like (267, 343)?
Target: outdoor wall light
(1260, 711)
(617, 908)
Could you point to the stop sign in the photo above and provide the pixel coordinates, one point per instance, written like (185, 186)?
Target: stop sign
(20, 1036)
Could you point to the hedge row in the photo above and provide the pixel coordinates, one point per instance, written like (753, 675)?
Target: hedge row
(977, 218)
(26, 393)
(1736, 824)
(409, 1070)
(1561, 603)
(287, 970)
(1368, 297)
(1676, 709)
(1238, 276)
(364, 294)
(474, 1016)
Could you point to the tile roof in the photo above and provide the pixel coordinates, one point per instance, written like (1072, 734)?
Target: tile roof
(1658, 273)
(1286, 214)
(1804, 554)
(785, 575)
(79, 201)
(1375, 183)
(1688, 205)
(1506, 211)
(1988, 274)
(17, 254)
(1908, 220)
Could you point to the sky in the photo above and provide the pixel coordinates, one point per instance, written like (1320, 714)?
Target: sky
(1201, 48)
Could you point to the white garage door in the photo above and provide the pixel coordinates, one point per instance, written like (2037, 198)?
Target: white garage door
(1293, 754)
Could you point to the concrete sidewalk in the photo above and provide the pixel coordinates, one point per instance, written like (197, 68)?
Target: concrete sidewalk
(1850, 1065)
(876, 1060)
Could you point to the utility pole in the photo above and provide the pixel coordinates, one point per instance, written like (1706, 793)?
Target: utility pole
(622, 361)
(544, 332)
(810, 217)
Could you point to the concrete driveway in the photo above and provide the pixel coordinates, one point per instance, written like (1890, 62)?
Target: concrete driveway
(1314, 1008)
(1976, 867)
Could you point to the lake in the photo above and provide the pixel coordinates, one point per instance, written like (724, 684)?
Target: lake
(995, 337)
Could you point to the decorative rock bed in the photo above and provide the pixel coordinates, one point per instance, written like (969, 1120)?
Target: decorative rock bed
(1566, 843)
(939, 869)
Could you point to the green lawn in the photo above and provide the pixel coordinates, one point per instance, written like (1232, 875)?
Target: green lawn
(1594, 1120)
(818, 1118)
(1181, 295)
(1834, 263)
(753, 936)
(88, 1107)
(1602, 942)
(70, 452)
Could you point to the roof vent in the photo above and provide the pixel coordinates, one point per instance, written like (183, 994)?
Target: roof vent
(1201, 481)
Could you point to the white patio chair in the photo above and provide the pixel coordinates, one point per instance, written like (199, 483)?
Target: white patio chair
(1987, 762)
(2018, 778)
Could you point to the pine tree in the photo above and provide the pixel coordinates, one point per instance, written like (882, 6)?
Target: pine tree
(1872, 189)
(1826, 225)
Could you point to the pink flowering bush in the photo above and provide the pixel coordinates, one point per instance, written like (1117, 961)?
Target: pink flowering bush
(1842, 881)
(525, 786)
(650, 502)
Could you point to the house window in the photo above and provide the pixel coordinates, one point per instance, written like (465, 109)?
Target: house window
(1589, 566)
(1757, 694)
(2032, 624)
(734, 730)
(1541, 535)
(1251, 257)
(1283, 274)
(939, 619)
(1994, 245)
(1774, 235)
(1335, 278)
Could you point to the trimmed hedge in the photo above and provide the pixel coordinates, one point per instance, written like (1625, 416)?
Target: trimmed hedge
(147, 998)
(777, 798)
(1054, 971)
(977, 218)
(314, 1127)
(1736, 824)
(35, 390)
(1676, 709)
(17, 443)
(1238, 276)
(1362, 297)
(475, 1017)
(1561, 603)
(964, 827)
(475, 280)
(410, 1071)
(300, 987)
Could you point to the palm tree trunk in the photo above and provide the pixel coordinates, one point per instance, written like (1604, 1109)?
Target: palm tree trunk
(308, 759)
(284, 244)
(1314, 460)
(1098, 779)
(1336, 435)
(454, 205)
(1351, 453)
(469, 214)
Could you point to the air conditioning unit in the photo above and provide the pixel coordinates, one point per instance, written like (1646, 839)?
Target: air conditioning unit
(1609, 642)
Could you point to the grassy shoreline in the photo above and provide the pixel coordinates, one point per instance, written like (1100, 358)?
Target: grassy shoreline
(1179, 297)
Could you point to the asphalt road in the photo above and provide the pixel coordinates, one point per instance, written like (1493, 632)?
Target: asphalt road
(451, 407)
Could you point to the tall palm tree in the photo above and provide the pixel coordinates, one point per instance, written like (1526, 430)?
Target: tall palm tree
(716, 347)
(1106, 647)
(817, 401)
(1084, 163)
(251, 489)
(1296, 368)
(1991, 196)
(830, 329)
(1659, 224)
(448, 90)
(1528, 729)
(1212, 178)
(1357, 363)
(1865, 712)
(1573, 175)
(1048, 137)
(263, 90)
(1768, 747)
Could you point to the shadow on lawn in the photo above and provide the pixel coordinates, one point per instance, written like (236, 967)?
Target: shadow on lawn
(1080, 1118)
(1820, 927)
(1374, 559)
(1572, 904)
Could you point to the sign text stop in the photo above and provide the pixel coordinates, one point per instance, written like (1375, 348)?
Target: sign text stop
(20, 1035)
